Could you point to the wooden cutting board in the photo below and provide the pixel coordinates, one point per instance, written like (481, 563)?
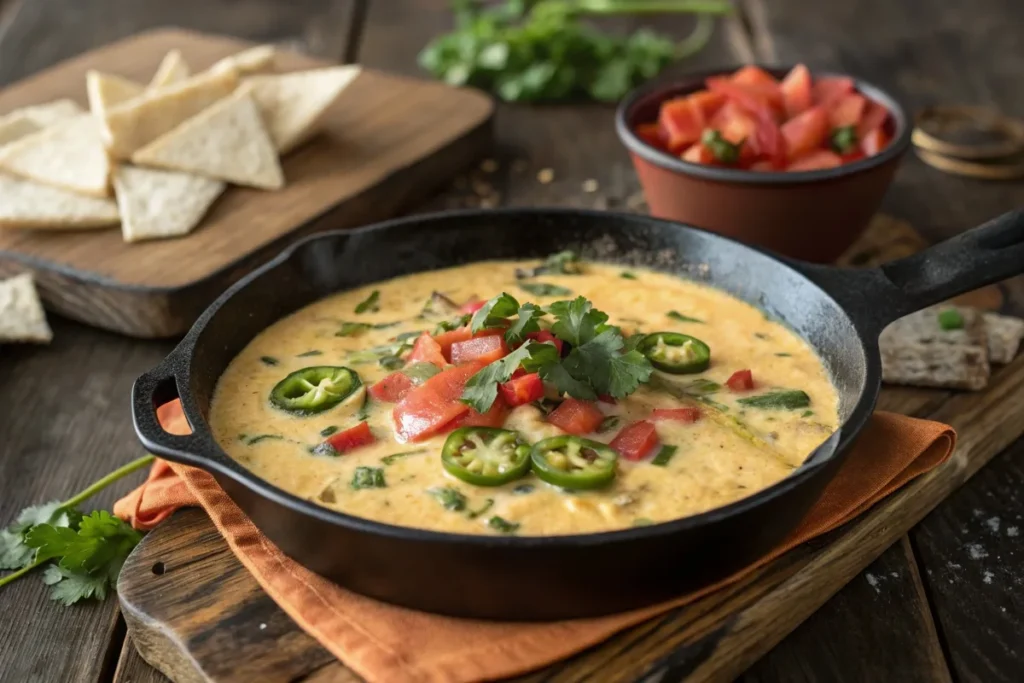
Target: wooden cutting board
(196, 614)
(389, 141)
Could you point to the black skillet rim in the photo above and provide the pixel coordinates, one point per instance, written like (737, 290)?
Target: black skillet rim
(179, 362)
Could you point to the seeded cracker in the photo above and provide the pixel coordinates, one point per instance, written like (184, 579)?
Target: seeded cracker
(917, 351)
(21, 313)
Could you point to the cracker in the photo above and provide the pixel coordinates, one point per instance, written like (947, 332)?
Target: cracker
(134, 124)
(159, 204)
(251, 61)
(227, 142)
(22, 318)
(294, 104)
(49, 113)
(15, 126)
(106, 91)
(70, 156)
(916, 351)
(173, 69)
(25, 204)
(1004, 334)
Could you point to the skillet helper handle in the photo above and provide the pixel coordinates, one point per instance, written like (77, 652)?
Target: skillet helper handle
(981, 256)
(153, 389)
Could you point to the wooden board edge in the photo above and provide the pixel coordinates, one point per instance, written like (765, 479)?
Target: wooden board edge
(159, 648)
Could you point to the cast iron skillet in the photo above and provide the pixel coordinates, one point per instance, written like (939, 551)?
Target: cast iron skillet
(839, 312)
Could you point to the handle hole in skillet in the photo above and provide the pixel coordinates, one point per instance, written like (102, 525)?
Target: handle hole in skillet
(170, 420)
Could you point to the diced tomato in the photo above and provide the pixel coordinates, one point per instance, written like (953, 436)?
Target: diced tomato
(605, 398)
(847, 110)
(426, 409)
(635, 440)
(688, 415)
(651, 134)
(753, 75)
(427, 350)
(576, 417)
(763, 166)
(816, 160)
(480, 349)
(495, 417)
(831, 88)
(741, 380)
(522, 390)
(760, 100)
(850, 157)
(681, 122)
(707, 102)
(874, 117)
(461, 334)
(544, 336)
(770, 142)
(352, 438)
(734, 124)
(805, 132)
(472, 306)
(391, 389)
(874, 142)
(796, 90)
(698, 154)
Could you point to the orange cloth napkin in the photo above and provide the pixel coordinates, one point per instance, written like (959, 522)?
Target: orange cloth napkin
(386, 643)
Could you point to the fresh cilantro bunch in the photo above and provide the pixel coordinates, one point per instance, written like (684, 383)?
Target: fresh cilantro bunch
(600, 363)
(83, 553)
(538, 50)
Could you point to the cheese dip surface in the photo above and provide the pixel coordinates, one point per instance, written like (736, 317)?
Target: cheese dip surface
(589, 398)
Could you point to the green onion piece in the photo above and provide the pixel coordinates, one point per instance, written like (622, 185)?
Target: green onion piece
(778, 400)
(352, 329)
(544, 289)
(950, 319)
(327, 431)
(406, 336)
(664, 456)
(391, 362)
(368, 478)
(324, 448)
(676, 315)
(370, 303)
(608, 424)
(473, 514)
(783, 355)
(307, 354)
(449, 498)
(268, 360)
(262, 437)
(807, 413)
(502, 525)
(390, 459)
(627, 275)
(642, 521)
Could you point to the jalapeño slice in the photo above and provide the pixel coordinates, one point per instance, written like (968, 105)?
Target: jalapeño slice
(314, 389)
(485, 456)
(675, 353)
(574, 463)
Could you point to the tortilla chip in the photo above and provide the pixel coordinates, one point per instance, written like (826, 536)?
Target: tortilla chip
(254, 60)
(226, 141)
(137, 122)
(25, 204)
(49, 113)
(22, 318)
(70, 156)
(1004, 334)
(14, 126)
(293, 104)
(106, 91)
(157, 204)
(916, 351)
(172, 69)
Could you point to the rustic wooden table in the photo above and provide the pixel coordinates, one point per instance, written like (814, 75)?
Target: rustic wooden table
(944, 604)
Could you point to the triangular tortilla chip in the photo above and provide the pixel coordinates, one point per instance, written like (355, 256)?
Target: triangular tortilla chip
(22, 318)
(50, 113)
(106, 91)
(251, 61)
(137, 122)
(172, 69)
(69, 156)
(226, 141)
(156, 204)
(25, 204)
(14, 126)
(292, 104)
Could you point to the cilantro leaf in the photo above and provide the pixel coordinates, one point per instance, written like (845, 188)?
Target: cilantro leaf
(494, 312)
(626, 372)
(101, 540)
(577, 321)
(482, 388)
(370, 304)
(14, 554)
(526, 323)
(541, 354)
(69, 587)
(599, 362)
(567, 384)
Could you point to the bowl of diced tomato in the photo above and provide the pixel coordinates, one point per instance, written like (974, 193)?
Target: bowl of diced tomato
(782, 158)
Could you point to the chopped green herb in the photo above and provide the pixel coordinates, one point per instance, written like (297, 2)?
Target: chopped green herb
(523, 489)
(391, 362)
(370, 304)
(473, 514)
(390, 459)
(327, 431)
(608, 424)
(368, 478)
(807, 413)
(352, 329)
(762, 335)
(364, 410)
(406, 336)
(453, 324)
(502, 526)
(562, 263)
(482, 388)
(420, 372)
(494, 312)
(676, 315)
(544, 289)
(701, 387)
(262, 437)
(714, 404)
(324, 449)
(664, 456)
(642, 521)
(722, 149)
(449, 498)
(376, 353)
(627, 275)
(783, 355)
(778, 400)
(525, 324)
(950, 319)
(268, 360)
(307, 354)
(843, 139)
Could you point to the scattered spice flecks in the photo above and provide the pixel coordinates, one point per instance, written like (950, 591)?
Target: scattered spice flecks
(545, 176)
(976, 551)
(1012, 531)
(993, 524)
(987, 577)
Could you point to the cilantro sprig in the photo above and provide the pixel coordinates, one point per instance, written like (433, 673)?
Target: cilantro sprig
(600, 362)
(85, 552)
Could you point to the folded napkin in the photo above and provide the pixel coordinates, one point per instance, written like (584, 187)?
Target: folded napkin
(382, 642)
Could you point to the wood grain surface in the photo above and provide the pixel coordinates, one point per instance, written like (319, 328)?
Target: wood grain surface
(387, 142)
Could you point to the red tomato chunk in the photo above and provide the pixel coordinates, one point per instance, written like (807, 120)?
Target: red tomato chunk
(427, 350)
(391, 389)
(472, 306)
(686, 415)
(352, 438)
(636, 440)
(482, 349)
(576, 417)
(546, 337)
(741, 380)
(495, 417)
(522, 390)
(428, 408)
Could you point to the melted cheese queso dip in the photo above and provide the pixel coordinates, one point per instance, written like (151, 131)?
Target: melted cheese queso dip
(587, 398)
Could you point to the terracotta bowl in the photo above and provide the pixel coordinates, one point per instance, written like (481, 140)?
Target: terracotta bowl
(810, 215)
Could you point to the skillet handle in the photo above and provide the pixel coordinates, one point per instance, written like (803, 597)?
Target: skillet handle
(153, 389)
(876, 297)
